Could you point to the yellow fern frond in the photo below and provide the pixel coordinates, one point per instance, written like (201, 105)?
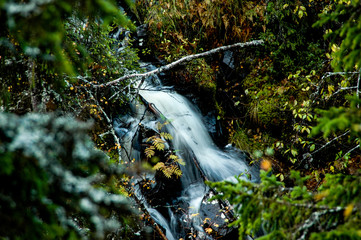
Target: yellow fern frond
(158, 166)
(159, 144)
(177, 172)
(167, 171)
(173, 157)
(166, 136)
(181, 162)
(149, 151)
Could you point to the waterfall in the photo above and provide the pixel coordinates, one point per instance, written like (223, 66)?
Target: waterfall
(194, 145)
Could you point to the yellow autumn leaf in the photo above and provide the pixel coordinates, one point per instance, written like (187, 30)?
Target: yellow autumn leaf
(330, 89)
(321, 195)
(206, 219)
(334, 47)
(348, 210)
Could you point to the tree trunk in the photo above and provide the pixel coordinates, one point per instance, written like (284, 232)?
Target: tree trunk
(37, 103)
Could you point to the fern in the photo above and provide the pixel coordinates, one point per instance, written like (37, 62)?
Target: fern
(157, 142)
(176, 159)
(149, 151)
(161, 125)
(181, 162)
(168, 171)
(166, 136)
(177, 172)
(159, 166)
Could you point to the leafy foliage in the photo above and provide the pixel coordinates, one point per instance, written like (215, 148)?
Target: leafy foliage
(170, 165)
(340, 119)
(345, 32)
(295, 213)
(168, 171)
(45, 39)
(49, 187)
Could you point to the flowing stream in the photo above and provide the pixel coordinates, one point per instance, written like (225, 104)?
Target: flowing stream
(193, 144)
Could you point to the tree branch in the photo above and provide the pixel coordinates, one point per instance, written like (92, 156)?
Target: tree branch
(109, 122)
(182, 60)
(329, 142)
(314, 219)
(309, 155)
(351, 150)
(358, 87)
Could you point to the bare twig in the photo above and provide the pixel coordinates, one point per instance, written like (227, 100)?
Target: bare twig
(182, 60)
(351, 150)
(358, 87)
(109, 122)
(329, 74)
(309, 155)
(343, 88)
(314, 219)
(329, 142)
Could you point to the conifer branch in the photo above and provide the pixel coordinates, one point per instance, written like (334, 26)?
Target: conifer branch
(182, 60)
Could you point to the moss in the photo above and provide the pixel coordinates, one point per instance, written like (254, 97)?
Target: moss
(203, 75)
(250, 140)
(269, 112)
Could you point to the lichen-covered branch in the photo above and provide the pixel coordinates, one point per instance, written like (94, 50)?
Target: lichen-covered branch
(182, 60)
(108, 121)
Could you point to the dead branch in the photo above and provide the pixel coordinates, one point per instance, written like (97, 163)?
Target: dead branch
(331, 141)
(182, 60)
(358, 86)
(309, 155)
(351, 150)
(109, 122)
(314, 219)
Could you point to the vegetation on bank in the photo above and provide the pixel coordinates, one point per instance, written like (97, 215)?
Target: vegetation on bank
(292, 103)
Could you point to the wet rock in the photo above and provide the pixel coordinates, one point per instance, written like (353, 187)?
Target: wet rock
(216, 216)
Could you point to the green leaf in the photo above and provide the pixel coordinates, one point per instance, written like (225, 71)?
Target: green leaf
(312, 148)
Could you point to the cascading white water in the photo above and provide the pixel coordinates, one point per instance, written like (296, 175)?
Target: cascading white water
(194, 145)
(190, 131)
